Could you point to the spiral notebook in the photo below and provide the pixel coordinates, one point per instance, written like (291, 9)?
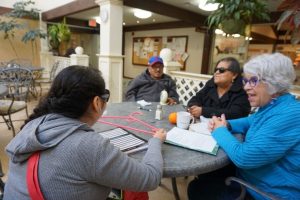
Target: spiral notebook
(125, 140)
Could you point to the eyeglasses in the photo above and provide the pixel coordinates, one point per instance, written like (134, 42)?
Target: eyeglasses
(253, 81)
(221, 70)
(105, 96)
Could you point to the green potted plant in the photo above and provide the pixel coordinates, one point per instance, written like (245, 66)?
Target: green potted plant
(58, 33)
(235, 16)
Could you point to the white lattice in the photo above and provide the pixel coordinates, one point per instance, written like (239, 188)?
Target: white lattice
(63, 63)
(188, 84)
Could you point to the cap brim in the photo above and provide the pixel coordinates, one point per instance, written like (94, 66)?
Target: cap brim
(156, 62)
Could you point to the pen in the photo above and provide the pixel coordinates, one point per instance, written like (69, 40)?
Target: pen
(142, 108)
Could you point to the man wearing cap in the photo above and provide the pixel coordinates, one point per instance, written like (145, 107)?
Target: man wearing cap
(148, 85)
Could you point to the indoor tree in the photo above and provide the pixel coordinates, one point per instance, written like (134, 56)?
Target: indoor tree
(12, 23)
(236, 16)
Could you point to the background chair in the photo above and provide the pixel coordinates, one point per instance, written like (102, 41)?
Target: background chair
(40, 81)
(1, 182)
(245, 185)
(22, 62)
(18, 81)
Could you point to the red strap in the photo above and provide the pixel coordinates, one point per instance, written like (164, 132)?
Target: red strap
(32, 180)
(128, 195)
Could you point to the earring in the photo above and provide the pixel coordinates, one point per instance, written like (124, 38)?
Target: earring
(232, 81)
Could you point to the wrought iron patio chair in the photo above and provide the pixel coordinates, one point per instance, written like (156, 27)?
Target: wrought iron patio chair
(22, 62)
(40, 81)
(18, 81)
(245, 185)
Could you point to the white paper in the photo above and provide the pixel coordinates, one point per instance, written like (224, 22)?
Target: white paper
(192, 140)
(143, 103)
(201, 127)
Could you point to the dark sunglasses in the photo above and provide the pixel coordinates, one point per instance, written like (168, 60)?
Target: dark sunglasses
(253, 81)
(221, 70)
(105, 96)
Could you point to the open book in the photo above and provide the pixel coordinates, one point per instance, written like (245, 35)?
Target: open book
(125, 141)
(192, 140)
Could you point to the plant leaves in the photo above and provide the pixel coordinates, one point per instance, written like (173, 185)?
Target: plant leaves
(284, 16)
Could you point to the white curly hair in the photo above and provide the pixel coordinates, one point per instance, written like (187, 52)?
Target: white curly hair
(276, 70)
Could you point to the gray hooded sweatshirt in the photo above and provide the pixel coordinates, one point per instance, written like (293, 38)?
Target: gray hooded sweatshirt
(76, 162)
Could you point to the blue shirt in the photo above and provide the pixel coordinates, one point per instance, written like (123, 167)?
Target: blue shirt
(269, 157)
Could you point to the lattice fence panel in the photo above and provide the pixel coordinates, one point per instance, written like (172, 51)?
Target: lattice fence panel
(186, 88)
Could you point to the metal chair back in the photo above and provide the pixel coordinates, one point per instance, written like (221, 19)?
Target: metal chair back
(18, 81)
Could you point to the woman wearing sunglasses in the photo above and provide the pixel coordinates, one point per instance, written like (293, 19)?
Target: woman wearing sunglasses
(57, 155)
(269, 157)
(223, 94)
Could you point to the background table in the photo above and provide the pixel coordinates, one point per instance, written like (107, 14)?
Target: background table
(178, 161)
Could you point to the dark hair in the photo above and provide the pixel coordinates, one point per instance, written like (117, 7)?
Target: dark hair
(71, 92)
(234, 65)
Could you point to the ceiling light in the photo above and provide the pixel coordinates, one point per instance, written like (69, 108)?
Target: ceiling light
(236, 35)
(218, 31)
(124, 23)
(142, 14)
(203, 5)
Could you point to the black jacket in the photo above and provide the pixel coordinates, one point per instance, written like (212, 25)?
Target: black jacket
(143, 87)
(234, 103)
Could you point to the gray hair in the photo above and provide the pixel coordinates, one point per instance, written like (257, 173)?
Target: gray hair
(276, 70)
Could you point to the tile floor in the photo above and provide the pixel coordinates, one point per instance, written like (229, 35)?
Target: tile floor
(163, 192)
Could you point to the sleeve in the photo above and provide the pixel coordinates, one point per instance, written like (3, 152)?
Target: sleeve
(241, 125)
(197, 99)
(132, 90)
(114, 168)
(269, 143)
(240, 107)
(172, 91)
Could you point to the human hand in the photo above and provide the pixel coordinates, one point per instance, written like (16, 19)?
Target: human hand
(160, 134)
(171, 101)
(217, 122)
(195, 111)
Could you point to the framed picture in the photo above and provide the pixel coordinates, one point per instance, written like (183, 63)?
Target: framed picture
(144, 48)
(178, 46)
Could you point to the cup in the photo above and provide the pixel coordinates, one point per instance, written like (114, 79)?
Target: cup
(184, 119)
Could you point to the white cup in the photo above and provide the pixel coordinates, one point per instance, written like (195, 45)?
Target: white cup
(184, 119)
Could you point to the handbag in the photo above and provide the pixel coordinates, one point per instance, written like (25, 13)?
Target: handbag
(32, 180)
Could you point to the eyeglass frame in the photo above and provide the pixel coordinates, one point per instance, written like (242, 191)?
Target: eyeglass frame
(252, 83)
(105, 96)
(222, 70)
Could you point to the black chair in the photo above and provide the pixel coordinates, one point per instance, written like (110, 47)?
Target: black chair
(18, 81)
(245, 185)
(40, 81)
(1, 182)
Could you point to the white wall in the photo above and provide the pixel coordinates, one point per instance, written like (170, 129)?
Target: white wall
(194, 49)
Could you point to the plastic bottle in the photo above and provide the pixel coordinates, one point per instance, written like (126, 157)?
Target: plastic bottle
(158, 112)
(163, 97)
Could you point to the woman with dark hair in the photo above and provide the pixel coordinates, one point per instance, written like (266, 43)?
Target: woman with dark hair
(74, 161)
(222, 94)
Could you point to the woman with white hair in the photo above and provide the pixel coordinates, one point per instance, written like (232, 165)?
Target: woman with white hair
(269, 156)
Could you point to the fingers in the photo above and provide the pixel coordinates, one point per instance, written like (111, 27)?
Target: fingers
(223, 118)
(160, 134)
